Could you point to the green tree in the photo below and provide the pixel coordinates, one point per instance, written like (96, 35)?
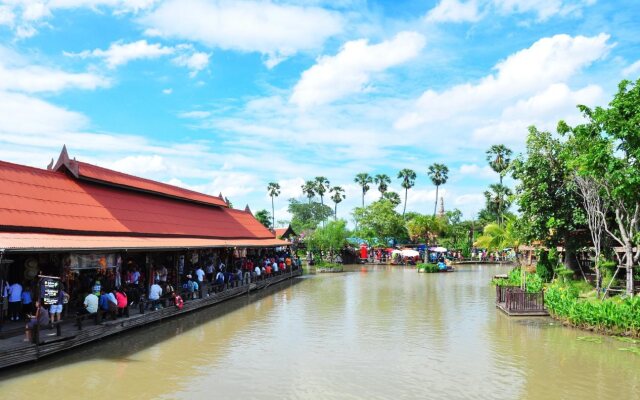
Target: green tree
(273, 189)
(264, 218)
(548, 202)
(499, 159)
(497, 236)
(307, 216)
(408, 177)
(393, 197)
(383, 181)
(329, 239)
(364, 180)
(606, 148)
(337, 197)
(425, 227)
(497, 200)
(380, 221)
(309, 190)
(439, 174)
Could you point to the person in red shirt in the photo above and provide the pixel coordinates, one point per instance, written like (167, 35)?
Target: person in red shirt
(177, 300)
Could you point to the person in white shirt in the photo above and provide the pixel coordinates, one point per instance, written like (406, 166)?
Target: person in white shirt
(15, 301)
(210, 269)
(200, 275)
(154, 295)
(258, 271)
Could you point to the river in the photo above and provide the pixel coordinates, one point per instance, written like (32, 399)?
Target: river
(378, 333)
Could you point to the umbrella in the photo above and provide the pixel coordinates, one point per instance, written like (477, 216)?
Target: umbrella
(438, 249)
(396, 252)
(409, 253)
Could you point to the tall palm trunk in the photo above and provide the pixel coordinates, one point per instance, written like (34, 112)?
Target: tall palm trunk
(362, 197)
(322, 207)
(335, 212)
(273, 214)
(435, 207)
(404, 209)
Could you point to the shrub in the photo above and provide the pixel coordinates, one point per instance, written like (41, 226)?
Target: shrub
(533, 280)
(430, 268)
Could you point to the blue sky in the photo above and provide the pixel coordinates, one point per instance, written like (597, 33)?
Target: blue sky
(226, 96)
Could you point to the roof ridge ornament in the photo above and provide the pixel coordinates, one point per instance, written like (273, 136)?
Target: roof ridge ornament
(69, 164)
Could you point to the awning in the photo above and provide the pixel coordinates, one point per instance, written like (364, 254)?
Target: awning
(55, 242)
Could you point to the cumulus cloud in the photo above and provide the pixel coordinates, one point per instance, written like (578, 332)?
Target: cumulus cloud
(193, 60)
(35, 78)
(548, 61)
(454, 11)
(351, 70)
(274, 30)
(194, 114)
(543, 9)
(633, 69)
(122, 53)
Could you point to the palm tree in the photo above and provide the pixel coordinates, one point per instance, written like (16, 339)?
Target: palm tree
(337, 197)
(393, 197)
(273, 188)
(499, 158)
(439, 173)
(408, 177)
(309, 189)
(498, 199)
(383, 181)
(364, 180)
(322, 185)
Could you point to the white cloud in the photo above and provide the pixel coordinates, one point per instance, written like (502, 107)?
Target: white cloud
(548, 61)
(351, 70)
(35, 78)
(140, 164)
(632, 69)
(470, 200)
(544, 9)
(274, 30)
(474, 170)
(454, 11)
(193, 60)
(121, 53)
(195, 114)
(167, 91)
(7, 16)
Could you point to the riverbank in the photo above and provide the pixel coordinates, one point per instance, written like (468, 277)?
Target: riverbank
(14, 351)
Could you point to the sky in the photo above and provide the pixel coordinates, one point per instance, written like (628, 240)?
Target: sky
(227, 96)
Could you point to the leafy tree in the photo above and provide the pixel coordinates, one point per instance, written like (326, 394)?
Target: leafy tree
(309, 190)
(498, 236)
(329, 239)
(408, 177)
(364, 180)
(393, 197)
(498, 199)
(337, 197)
(264, 218)
(548, 202)
(439, 173)
(383, 181)
(380, 221)
(307, 216)
(425, 227)
(499, 159)
(607, 150)
(273, 189)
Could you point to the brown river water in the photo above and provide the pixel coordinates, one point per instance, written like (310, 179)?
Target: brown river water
(382, 333)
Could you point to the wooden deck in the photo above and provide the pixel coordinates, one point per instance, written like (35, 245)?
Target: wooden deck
(517, 303)
(13, 350)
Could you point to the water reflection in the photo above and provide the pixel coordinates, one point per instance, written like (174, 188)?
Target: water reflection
(384, 333)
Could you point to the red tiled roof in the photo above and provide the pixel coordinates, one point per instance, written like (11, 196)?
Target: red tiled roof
(280, 231)
(93, 172)
(37, 200)
(43, 241)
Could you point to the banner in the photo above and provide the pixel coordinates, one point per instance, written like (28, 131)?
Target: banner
(92, 261)
(49, 289)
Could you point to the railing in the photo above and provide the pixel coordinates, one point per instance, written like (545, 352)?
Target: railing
(517, 300)
(501, 293)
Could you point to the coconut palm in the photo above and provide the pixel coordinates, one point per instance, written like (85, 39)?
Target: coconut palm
(364, 180)
(273, 188)
(439, 173)
(322, 185)
(499, 158)
(498, 199)
(498, 237)
(408, 177)
(337, 197)
(393, 197)
(309, 189)
(383, 181)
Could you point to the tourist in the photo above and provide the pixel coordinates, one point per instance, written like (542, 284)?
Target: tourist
(154, 295)
(15, 301)
(191, 286)
(41, 319)
(135, 276)
(27, 302)
(257, 272)
(55, 310)
(200, 275)
(275, 268)
(177, 300)
(219, 278)
(122, 301)
(90, 304)
(210, 268)
(239, 275)
(108, 303)
(162, 275)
